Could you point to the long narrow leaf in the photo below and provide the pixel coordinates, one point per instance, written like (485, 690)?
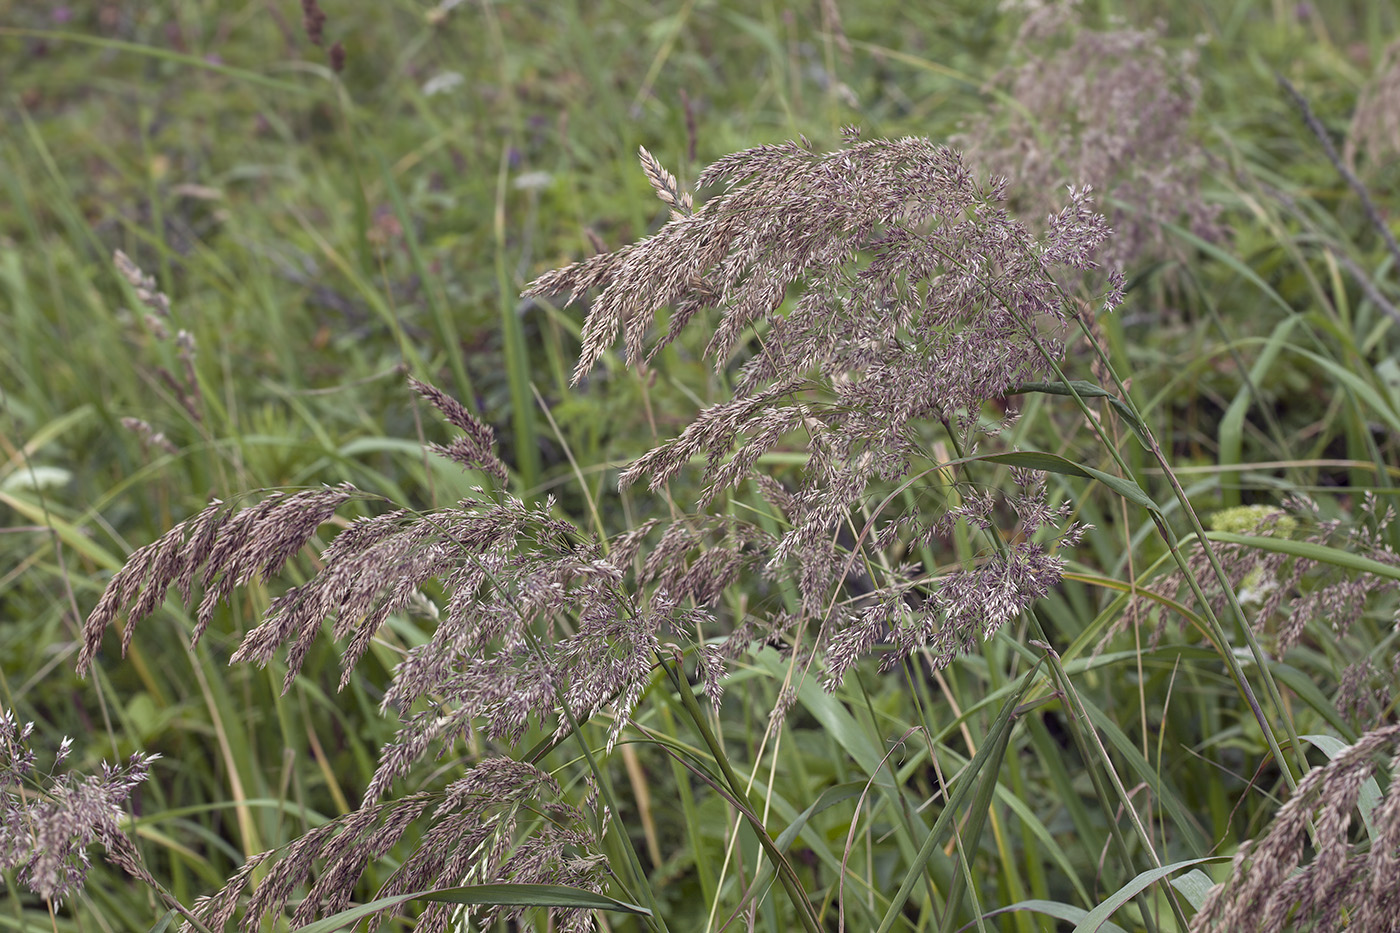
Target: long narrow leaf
(1060, 911)
(1054, 463)
(494, 895)
(1097, 919)
(1318, 552)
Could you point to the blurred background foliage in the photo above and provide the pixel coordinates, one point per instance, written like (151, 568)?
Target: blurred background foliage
(319, 233)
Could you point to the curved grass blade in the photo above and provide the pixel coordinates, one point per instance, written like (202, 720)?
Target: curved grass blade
(1054, 463)
(169, 55)
(1089, 390)
(1195, 886)
(1097, 919)
(1317, 552)
(493, 895)
(1060, 911)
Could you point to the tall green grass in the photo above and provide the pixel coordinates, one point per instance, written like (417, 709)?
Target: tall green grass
(321, 233)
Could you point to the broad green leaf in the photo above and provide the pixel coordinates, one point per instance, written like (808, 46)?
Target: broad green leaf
(70, 534)
(1364, 390)
(1195, 885)
(1054, 463)
(987, 759)
(828, 798)
(1232, 424)
(1182, 817)
(1089, 390)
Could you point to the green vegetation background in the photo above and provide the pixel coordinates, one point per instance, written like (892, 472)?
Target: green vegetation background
(319, 233)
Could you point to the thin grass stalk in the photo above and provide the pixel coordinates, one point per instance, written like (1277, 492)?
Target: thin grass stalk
(1155, 449)
(998, 678)
(176, 907)
(791, 884)
(198, 62)
(447, 330)
(1373, 213)
(1015, 883)
(703, 868)
(1260, 660)
(839, 892)
(1080, 719)
(588, 496)
(372, 297)
(1236, 672)
(1001, 547)
(687, 758)
(898, 806)
(981, 807)
(634, 863)
(998, 740)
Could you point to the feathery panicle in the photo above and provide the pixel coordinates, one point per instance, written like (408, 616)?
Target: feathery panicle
(159, 322)
(946, 617)
(150, 437)
(145, 285)
(666, 186)
(500, 655)
(232, 546)
(1285, 593)
(788, 214)
(897, 292)
(47, 821)
(476, 448)
(1110, 109)
(313, 20)
(1272, 889)
(502, 822)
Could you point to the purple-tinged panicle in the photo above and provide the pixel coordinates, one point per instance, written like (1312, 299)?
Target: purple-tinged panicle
(47, 821)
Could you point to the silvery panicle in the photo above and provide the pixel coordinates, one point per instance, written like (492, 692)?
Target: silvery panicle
(1273, 888)
(1112, 109)
(865, 294)
(500, 653)
(947, 616)
(158, 322)
(48, 820)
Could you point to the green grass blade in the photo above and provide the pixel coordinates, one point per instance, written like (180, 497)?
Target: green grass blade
(1097, 918)
(482, 895)
(989, 755)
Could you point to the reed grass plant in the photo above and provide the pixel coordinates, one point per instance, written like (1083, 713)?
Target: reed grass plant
(878, 534)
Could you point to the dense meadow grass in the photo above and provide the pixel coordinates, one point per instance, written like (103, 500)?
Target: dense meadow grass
(1036, 639)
